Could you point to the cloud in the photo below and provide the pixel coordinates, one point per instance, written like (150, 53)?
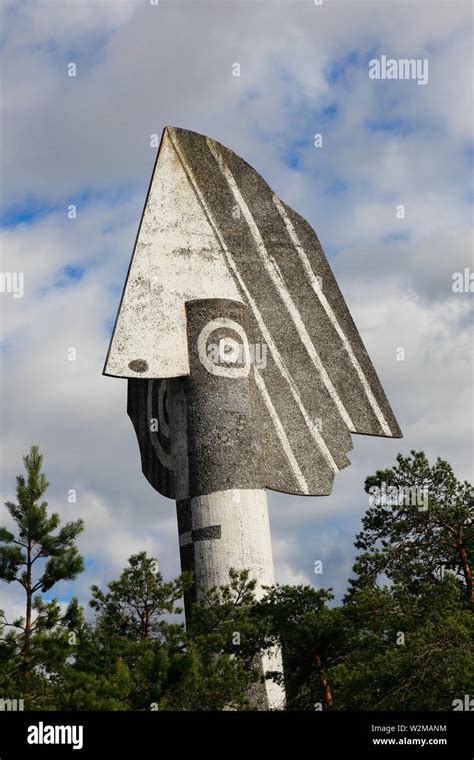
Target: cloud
(86, 140)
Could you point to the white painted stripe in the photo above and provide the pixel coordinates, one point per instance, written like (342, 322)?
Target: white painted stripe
(275, 275)
(280, 432)
(278, 359)
(332, 317)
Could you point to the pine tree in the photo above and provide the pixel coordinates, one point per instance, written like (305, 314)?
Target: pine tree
(414, 540)
(36, 557)
(134, 604)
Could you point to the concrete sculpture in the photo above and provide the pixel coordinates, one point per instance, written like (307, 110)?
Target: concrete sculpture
(245, 369)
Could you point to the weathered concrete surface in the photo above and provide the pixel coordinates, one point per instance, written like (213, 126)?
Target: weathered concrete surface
(223, 530)
(202, 433)
(176, 259)
(213, 229)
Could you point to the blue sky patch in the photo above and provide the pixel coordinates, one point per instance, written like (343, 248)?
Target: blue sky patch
(392, 126)
(336, 72)
(396, 237)
(336, 187)
(74, 272)
(330, 111)
(32, 210)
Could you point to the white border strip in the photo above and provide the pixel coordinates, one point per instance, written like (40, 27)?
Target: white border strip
(280, 432)
(331, 315)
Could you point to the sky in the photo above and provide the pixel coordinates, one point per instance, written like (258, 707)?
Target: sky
(86, 140)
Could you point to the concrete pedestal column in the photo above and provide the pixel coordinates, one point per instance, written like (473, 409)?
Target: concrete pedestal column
(223, 530)
(217, 462)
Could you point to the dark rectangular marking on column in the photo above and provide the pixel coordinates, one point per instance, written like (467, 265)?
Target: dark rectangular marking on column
(188, 565)
(183, 509)
(201, 534)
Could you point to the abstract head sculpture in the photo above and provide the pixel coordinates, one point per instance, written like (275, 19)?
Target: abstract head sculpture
(245, 368)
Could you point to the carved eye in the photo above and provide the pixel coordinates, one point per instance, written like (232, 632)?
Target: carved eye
(223, 348)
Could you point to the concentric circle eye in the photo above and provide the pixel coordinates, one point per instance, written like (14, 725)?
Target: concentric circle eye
(223, 348)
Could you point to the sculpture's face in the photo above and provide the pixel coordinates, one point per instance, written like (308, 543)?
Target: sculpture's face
(214, 407)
